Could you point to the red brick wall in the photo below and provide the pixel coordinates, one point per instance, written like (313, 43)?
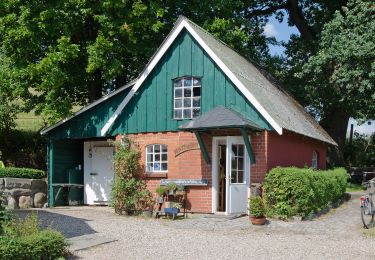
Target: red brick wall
(259, 143)
(188, 165)
(290, 149)
(270, 150)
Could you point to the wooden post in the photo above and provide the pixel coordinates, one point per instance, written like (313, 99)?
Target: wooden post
(50, 149)
(202, 146)
(248, 145)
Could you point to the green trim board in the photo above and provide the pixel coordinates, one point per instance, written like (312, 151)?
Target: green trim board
(50, 173)
(248, 146)
(202, 146)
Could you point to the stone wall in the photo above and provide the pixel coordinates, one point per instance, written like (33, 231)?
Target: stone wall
(24, 193)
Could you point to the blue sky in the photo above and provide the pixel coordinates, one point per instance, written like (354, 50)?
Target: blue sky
(282, 32)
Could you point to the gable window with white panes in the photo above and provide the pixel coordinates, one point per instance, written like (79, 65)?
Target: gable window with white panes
(187, 98)
(156, 158)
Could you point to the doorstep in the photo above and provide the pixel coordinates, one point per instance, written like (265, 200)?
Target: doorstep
(221, 216)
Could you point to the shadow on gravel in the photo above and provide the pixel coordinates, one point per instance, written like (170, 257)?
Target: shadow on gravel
(69, 226)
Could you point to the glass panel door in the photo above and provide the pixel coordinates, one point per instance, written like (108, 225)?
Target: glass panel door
(237, 175)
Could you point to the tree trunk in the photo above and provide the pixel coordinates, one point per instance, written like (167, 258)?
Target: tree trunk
(95, 87)
(335, 123)
(299, 20)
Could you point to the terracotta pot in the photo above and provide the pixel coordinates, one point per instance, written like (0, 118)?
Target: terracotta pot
(257, 221)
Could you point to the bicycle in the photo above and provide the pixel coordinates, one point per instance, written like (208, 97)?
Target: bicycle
(367, 205)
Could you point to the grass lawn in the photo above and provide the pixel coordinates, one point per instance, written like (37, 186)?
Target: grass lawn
(369, 232)
(33, 123)
(351, 187)
(29, 122)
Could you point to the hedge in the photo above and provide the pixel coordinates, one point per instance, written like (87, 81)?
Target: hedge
(300, 191)
(46, 244)
(28, 173)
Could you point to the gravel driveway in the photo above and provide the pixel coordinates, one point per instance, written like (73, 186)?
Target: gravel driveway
(337, 235)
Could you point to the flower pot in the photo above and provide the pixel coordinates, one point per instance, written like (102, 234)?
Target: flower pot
(257, 220)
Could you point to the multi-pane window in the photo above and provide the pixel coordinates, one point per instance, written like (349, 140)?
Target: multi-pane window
(237, 164)
(187, 98)
(314, 161)
(156, 158)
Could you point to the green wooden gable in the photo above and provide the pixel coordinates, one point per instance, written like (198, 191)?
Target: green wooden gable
(151, 108)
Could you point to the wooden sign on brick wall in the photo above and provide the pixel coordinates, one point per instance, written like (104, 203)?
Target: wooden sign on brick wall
(186, 147)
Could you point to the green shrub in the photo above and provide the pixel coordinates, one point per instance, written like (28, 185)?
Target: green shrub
(129, 192)
(5, 216)
(45, 244)
(256, 206)
(28, 173)
(171, 186)
(18, 227)
(23, 239)
(161, 190)
(294, 191)
(23, 149)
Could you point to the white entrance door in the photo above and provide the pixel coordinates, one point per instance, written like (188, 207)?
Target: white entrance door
(238, 177)
(98, 184)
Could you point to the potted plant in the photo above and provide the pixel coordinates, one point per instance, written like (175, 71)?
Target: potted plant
(180, 190)
(257, 210)
(172, 188)
(161, 190)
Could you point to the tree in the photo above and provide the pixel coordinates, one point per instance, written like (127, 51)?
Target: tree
(339, 78)
(328, 67)
(68, 53)
(8, 106)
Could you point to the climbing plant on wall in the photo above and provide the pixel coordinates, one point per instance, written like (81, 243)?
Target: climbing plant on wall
(129, 190)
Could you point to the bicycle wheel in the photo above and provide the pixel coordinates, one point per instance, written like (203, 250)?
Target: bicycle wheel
(367, 214)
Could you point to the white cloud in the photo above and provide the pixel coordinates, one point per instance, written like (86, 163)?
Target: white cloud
(270, 30)
(367, 128)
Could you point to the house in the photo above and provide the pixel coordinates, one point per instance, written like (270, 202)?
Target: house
(201, 114)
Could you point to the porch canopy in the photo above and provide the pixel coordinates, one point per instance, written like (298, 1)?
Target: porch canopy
(222, 118)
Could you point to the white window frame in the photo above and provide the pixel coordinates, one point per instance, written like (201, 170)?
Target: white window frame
(154, 155)
(181, 99)
(314, 160)
(236, 169)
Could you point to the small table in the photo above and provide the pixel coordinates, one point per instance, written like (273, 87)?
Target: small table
(65, 185)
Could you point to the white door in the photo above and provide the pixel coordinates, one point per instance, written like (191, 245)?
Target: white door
(237, 174)
(98, 183)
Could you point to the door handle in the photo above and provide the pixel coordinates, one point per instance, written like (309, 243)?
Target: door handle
(93, 173)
